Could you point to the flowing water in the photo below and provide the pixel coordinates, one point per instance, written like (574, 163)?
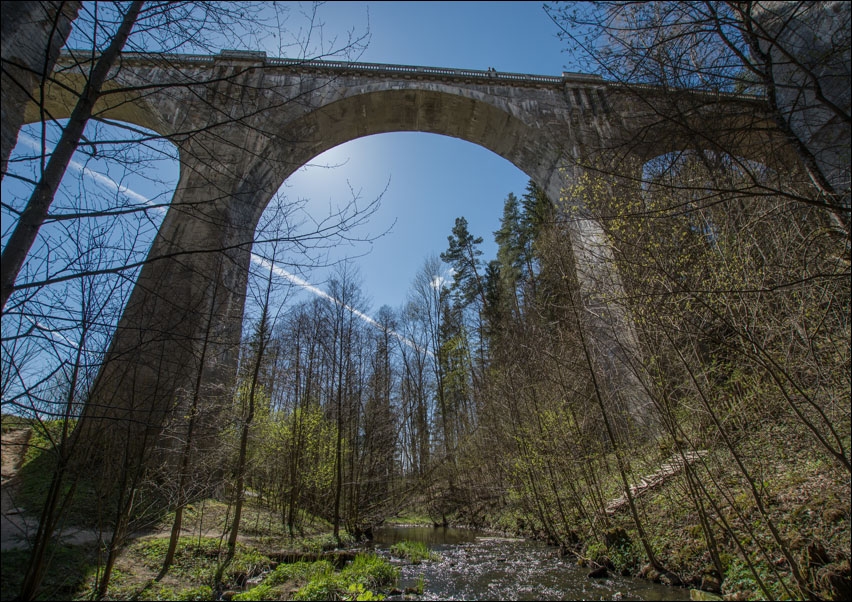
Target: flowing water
(477, 566)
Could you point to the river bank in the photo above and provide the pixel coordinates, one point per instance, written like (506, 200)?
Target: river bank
(806, 517)
(809, 505)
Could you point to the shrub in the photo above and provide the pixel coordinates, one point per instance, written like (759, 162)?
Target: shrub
(352, 583)
(370, 570)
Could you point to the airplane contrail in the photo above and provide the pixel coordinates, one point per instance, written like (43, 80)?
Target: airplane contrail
(281, 272)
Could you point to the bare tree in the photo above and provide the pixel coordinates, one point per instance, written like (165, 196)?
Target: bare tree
(35, 211)
(104, 31)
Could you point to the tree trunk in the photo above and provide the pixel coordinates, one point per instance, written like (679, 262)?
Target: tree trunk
(35, 212)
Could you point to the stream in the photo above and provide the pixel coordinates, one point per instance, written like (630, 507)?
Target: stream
(478, 566)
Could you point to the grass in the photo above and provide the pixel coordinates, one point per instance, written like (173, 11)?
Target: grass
(197, 559)
(11, 422)
(414, 552)
(806, 498)
(355, 582)
(805, 495)
(319, 581)
(298, 572)
(191, 575)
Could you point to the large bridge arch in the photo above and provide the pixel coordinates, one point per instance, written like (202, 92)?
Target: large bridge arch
(200, 261)
(426, 111)
(243, 124)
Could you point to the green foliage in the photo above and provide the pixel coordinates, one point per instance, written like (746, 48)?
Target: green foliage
(740, 579)
(510, 244)
(463, 255)
(299, 571)
(261, 592)
(625, 557)
(323, 542)
(356, 591)
(420, 585)
(202, 592)
(354, 582)
(303, 440)
(596, 551)
(322, 587)
(11, 422)
(413, 551)
(161, 591)
(371, 570)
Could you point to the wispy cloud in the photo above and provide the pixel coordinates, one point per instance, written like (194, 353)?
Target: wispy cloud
(102, 180)
(108, 183)
(53, 333)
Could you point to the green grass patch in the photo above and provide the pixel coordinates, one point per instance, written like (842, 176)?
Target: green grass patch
(355, 582)
(197, 560)
(298, 572)
(261, 592)
(370, 570)
(413, 551)
(11, 422)
(322, 542)
(162, 591)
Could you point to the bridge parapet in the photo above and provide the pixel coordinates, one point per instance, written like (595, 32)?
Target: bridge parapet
(70, 58)
(316, 65)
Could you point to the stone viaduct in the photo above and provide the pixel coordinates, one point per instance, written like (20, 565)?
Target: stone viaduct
(244, 122)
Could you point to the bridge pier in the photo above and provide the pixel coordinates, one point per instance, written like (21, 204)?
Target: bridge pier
(178, 338)
(607, 326)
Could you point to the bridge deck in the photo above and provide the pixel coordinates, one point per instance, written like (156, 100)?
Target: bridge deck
(315, 65)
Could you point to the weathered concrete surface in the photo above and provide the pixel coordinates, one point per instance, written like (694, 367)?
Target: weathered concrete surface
(31, 37)
(244, 123)
(809, 45)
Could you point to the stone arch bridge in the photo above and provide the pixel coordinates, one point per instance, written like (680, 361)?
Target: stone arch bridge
(244, 122)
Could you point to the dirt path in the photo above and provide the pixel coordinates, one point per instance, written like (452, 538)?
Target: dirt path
(13, 526)
(671, 468)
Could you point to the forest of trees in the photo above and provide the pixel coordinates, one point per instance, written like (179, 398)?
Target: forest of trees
(735, 276)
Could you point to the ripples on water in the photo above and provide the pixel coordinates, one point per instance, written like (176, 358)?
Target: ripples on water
(474, 566)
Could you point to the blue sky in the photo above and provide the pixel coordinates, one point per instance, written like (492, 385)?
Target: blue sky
(430, 179)
(426, 181)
